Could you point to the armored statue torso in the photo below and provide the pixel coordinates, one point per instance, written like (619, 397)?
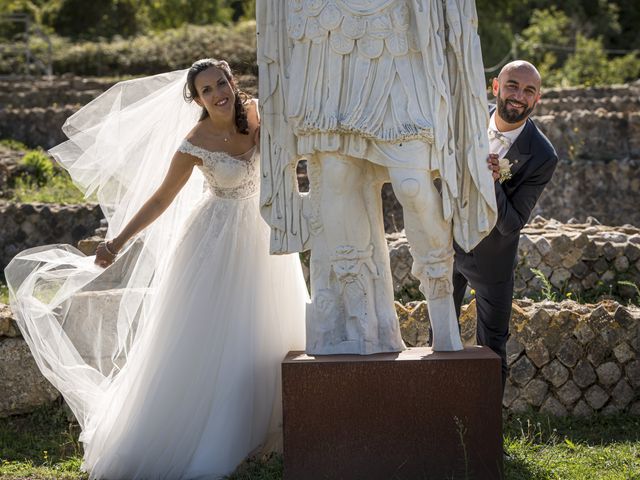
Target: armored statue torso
(358, 75)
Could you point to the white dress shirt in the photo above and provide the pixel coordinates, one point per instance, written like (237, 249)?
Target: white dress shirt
(502, 141)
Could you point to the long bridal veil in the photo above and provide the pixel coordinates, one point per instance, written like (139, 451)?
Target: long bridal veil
(79, 320)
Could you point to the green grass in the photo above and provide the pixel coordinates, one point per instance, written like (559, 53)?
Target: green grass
(269, 468)
(40, 180)
(598, 448)
(58, 189)
(601, 291)
(12, 144)
(4, 293)
(43, 445)
(40, 445)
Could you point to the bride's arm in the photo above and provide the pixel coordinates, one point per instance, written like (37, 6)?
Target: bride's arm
(177, 176)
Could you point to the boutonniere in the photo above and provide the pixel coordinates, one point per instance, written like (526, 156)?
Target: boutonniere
(505, 169)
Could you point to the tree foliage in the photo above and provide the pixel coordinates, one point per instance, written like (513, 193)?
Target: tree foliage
(84, 20)
(589, 65)
(590, 42)
(105, 18)
(164, 14)
(583, 41)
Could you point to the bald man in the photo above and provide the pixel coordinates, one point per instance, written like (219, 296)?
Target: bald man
(528, 160)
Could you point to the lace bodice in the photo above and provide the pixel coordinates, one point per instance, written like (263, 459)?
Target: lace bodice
(227, 176)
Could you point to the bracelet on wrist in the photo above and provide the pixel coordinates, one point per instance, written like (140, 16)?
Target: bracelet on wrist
(106, 247)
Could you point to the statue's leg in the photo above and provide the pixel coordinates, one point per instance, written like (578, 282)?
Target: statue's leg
(431, 240)
(343, 271)
(342, 205)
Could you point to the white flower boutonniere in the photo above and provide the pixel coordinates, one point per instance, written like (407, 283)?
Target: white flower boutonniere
(505, 169)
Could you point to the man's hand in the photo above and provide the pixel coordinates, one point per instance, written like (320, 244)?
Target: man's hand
(494, 165)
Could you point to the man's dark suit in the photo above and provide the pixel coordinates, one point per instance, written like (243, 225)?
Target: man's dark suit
(489, 267)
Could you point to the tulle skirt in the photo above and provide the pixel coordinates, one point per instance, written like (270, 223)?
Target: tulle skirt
(200, 388)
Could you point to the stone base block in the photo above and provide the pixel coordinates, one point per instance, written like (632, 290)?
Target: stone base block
(22, 386)
(414, 415)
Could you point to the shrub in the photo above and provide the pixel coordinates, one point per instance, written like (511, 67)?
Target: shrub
(37, 166)
(105, 18)
(38, 179)
(163, 14)
(12, 144)
(160, 52)
(590, 66)
(548, 26)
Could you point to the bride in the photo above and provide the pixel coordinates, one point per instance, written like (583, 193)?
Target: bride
(170, 357)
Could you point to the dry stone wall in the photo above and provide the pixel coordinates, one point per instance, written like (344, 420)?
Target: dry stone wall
(565, 358)
(578, 259)
(33, 111)
(22, 385)
(596, 132)
(35, 126)
(9, 163)
(26, 225)
(608, 191)
(23, 93)
(571, 358)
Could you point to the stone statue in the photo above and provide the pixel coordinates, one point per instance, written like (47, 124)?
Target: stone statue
(369, 92)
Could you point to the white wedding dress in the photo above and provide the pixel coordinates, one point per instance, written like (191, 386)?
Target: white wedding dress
(195, 386)
(198, 392)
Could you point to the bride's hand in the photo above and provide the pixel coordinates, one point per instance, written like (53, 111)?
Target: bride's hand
(105, 254)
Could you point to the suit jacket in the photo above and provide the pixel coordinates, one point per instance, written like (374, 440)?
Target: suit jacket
(533, 160)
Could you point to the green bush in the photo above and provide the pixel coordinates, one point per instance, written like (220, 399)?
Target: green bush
(589, 65)
(12, 144)
(81, 19)
(37, 166)
(548, 26)
(164, 51)
(4, 293)
(163, 14)
(104, 18)
(145, 54)
(8, 29)
(38, 179)
(568, 42)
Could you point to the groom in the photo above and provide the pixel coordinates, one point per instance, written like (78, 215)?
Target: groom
(522, 160)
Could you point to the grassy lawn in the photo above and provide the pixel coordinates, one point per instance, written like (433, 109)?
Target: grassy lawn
(37, 178)
(43, 445)
(596, 448)
(58, 189)
(4, 292)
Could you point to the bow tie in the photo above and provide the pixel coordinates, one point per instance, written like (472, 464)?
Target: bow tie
(501, 137)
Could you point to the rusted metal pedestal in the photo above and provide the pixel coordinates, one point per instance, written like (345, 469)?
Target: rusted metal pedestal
(415, 415)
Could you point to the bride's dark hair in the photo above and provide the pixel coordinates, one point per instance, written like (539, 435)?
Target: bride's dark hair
(190, 92)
